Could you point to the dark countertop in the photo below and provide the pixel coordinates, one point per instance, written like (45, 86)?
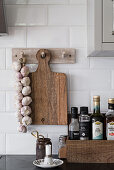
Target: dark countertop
(22, 162)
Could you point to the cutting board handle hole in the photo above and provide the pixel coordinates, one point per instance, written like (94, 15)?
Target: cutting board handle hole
(42, 120)
(43, 55)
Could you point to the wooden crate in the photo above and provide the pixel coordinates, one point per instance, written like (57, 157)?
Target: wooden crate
(99, 151)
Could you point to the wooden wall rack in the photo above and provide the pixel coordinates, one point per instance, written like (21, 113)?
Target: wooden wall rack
(58, 55)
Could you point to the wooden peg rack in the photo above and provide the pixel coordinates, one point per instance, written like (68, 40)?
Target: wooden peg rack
(58, 55)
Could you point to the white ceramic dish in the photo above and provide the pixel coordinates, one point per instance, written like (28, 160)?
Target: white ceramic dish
(40, 163)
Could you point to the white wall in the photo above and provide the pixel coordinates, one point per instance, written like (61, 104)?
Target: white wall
(54, 24)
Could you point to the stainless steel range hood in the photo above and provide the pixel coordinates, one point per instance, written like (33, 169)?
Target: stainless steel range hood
(3, 27)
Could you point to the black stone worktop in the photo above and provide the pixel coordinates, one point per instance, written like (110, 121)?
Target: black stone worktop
(25, 163)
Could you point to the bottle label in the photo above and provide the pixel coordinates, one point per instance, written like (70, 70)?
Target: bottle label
(74, 135)
(84, 129)
(97, 130)
(110, 130)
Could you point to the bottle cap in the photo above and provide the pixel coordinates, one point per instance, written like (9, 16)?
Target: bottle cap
(74, 112)
(83, 109)
(63, 138)
(111, 100)
(96, 98)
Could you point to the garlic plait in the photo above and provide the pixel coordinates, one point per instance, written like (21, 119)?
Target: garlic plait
(19, 117)
(26, 120)
(22, 128)
(16, 66)
(18, 105)
(18, 87)
(26, 101)
(18, 76)
(23, 90)
(25, 71)
(19, 96)
(26, 90)
(26, 110)
(25, 81)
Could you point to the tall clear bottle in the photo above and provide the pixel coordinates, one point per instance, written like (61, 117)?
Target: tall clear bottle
(97, 120)
(74, 125)
(110, 120)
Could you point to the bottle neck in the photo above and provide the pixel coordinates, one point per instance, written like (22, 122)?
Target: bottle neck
(73, 120)
(96, 107)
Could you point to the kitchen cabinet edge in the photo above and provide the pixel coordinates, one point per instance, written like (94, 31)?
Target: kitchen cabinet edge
(95, 45)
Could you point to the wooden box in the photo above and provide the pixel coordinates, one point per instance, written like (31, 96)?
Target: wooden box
(90, 151)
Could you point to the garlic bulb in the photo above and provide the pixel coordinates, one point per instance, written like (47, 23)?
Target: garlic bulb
(25, 81)
(16, 66)
(19, 76)
(19, 118)
(17, 112)
(26, 120)
(25, 71)
(26, 90)
(18, 87)
(19, 96)
(26, 110)
(26, 101)
(22, 128)
(18, 105)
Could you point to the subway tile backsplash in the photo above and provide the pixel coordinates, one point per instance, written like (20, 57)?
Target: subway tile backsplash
(49, 24)
(23, 15)
(2, 58)
(16, 38)
(69, 12)
(49, 37)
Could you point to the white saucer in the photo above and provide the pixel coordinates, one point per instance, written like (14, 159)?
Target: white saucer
(40, 163)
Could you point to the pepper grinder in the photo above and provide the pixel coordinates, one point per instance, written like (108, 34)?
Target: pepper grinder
(48, 154)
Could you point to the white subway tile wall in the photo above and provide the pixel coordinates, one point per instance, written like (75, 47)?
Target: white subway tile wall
(2, 101)
(2, 58)
(16, 38)
(79, 98)
(20, 143)
(10, 101)
(69, 11)
(2, 144)
(54, 24)
(24, 15)
(54, 37)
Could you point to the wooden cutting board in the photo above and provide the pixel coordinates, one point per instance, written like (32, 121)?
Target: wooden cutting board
(49, 93)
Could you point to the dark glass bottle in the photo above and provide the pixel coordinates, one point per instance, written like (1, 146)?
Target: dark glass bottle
(97, 120)
(110, 120)
(84, 124)
(74, 125)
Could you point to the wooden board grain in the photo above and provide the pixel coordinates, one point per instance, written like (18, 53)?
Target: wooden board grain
(49, 94)
(99, 151)
(56, 55)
